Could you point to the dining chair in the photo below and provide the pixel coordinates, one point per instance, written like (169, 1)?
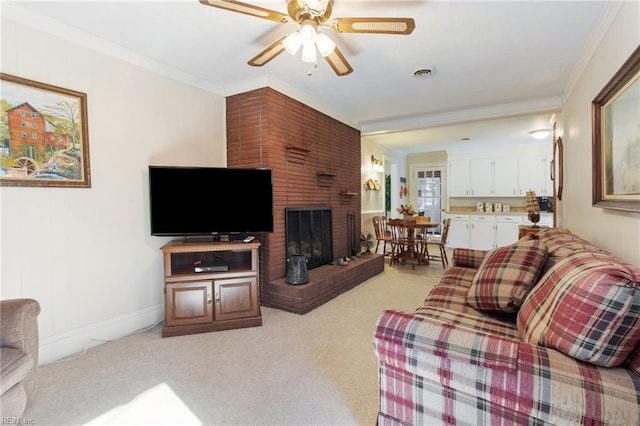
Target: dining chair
(398, 240)
(422, 219)
(404, 246)
(439, 240)
(382, 234)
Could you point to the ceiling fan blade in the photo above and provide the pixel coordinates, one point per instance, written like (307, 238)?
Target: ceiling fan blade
(268, 54)
(248, 9)
(401, 26)
(338, 63)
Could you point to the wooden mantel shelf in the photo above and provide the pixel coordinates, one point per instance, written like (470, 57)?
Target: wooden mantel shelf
(297, 154)
(325, 179)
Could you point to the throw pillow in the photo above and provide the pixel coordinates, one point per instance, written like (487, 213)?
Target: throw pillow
(506, 275)
(587, 307)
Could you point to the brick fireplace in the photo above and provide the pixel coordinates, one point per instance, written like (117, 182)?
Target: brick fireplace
(316, 162)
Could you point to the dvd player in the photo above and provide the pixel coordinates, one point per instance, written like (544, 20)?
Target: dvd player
(210, 266)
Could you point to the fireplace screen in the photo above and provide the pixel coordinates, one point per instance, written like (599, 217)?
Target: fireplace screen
(308, 232)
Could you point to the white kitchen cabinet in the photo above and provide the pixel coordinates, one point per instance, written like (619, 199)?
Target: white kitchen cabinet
(534, 173)
(501, 172)
(507, 229)
(505, 177)
(481, 177)
(458, 231)
(482, 232)
(458, 178)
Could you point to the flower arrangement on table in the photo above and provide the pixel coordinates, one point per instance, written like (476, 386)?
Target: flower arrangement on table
(406, 210)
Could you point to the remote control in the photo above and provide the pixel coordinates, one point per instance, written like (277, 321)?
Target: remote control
(249, 239)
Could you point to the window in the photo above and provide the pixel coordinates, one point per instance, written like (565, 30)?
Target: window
(23, 123)
(34, 135)
(23, 134)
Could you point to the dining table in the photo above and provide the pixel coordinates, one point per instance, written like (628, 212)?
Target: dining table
(412, 227)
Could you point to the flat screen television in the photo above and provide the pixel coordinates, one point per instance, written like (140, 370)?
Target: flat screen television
(198, 201)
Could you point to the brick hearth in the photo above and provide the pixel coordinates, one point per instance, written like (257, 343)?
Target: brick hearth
(316, 162)
(325, 283)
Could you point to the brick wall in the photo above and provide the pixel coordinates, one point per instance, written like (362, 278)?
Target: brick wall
(315, 161)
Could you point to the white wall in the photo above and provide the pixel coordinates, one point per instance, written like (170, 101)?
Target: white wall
(372, 202)
(616, 231)
(86, 254)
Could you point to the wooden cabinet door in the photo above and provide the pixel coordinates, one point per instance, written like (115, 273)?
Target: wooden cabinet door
(236, 298)
(188, 303)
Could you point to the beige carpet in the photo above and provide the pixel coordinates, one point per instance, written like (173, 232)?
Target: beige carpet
(313, 369)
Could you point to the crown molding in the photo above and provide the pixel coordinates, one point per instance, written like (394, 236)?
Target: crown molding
(595, 38)
(63, 31)
(514, 109)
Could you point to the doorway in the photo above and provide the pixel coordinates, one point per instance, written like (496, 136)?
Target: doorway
(429, 187)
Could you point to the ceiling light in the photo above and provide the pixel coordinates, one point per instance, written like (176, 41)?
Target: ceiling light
(292, 43)
(308, 32)
(325, 44)
(309, 52)
(540, 133)
(309, 38)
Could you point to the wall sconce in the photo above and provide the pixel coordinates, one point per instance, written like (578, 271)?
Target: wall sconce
(377, 164)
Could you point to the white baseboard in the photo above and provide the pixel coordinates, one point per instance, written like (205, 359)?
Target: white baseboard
(74, 342)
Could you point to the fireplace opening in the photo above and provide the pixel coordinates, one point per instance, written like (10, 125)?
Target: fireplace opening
(308, 232)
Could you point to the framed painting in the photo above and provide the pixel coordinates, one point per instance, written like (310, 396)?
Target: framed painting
(44, 135)
(616, 139)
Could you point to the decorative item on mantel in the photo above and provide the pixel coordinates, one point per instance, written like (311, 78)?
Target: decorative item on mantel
(533, 208)
(406, 210)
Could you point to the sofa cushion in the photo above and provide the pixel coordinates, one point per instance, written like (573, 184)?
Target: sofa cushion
(633, 362)
(506, 275)
(588, 307)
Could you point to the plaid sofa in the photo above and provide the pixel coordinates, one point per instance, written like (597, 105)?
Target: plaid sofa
(563, 350)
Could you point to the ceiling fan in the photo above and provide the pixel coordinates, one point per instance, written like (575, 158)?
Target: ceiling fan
(311, 15)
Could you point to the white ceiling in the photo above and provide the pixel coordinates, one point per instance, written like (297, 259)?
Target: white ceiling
(501, 68)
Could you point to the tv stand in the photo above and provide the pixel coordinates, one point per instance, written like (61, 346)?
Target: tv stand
(199, 302)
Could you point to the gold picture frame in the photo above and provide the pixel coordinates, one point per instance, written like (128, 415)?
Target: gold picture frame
(616, 139)
(44, 136)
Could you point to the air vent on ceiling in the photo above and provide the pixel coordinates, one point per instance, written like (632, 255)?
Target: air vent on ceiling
(422, 72)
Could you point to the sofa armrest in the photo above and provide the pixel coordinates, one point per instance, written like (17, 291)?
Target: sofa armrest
(468, 258)
(402, 338)
(19, 330)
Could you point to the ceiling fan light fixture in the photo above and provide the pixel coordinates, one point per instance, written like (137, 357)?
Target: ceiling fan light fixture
(308, 32)
(316, 7)
(325, 45)
(309, 52)
(292, 43)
